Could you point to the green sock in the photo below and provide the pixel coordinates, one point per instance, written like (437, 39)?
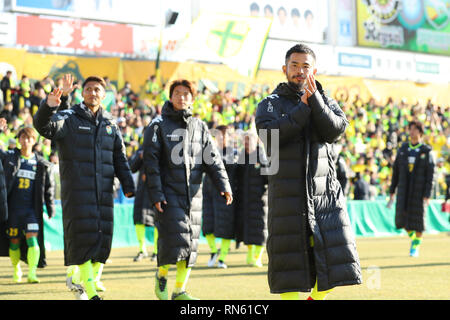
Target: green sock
(211, 242)
(416, 242)
(87, 277)
(224, 247)
(140, 234)
(411, 234)
(33, 254)
(155, 240)
(181, 277)
(290, 296)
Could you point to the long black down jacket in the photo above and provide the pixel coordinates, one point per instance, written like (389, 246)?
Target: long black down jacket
(91, 151)
(44, 193)
(412, 188)
(178, 149)
(251, 198)
(142, 210)
(218, 218)
(305, 197)
(3, 197)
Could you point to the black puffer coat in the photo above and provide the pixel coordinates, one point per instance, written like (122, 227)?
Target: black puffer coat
(304, 195)
(44, 193)
(218, 218)
(412, 187)
(142, 210)
(3, 196)
(251, 198)
(177, 150)
(91, 151)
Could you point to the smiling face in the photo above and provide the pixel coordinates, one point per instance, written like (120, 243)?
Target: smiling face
(93, 94)
(26, 142)
(298, 67)
(181, 97)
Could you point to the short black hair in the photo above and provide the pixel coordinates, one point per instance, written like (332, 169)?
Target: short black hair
(300, 48)
(94, 79)
(185, 83)
(418, 125)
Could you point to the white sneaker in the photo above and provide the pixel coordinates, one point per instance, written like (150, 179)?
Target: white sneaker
(80, 294)
(213, 259)
(77, 289)
(222, 265)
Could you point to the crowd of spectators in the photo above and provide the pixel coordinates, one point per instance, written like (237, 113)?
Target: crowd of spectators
(367, 149)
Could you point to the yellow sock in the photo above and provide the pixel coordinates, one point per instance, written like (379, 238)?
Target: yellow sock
(290, 296)
(250, 254)
(155, 240)
(181, 277)
(224, 247)
(258, 252)
(211, 239)
(98, 270)
(140, 235)
(74, 272)
(319, 295)
(87, 277)
(163, 271)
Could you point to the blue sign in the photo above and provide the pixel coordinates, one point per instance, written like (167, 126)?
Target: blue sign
(45, 4)
(354, 60)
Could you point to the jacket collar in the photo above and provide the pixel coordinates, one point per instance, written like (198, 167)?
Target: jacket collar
(82, 110)
(169, 111)
(288, 91)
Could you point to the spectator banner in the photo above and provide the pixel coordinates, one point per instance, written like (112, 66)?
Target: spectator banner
(236, 41)
(292, 19)
(144, 11)
(37, 66)
(74, 34)
(419, 26)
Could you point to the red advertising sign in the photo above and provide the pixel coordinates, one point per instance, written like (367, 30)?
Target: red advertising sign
(75, 34)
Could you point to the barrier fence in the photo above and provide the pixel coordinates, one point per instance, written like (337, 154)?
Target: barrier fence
(368, 219)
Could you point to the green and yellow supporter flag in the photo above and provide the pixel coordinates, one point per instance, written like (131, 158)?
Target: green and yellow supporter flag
(237, 41)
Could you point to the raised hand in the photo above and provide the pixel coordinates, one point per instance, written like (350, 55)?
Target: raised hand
(310, 85)
(54, 97)
(68, 86)
(3, 124)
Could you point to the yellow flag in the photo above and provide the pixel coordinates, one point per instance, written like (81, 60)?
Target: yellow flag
(237, 41)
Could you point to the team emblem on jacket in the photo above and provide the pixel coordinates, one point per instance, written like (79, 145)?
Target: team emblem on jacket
(108, 129)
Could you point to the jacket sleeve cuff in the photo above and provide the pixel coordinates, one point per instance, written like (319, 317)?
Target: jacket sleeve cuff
(157, 197)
